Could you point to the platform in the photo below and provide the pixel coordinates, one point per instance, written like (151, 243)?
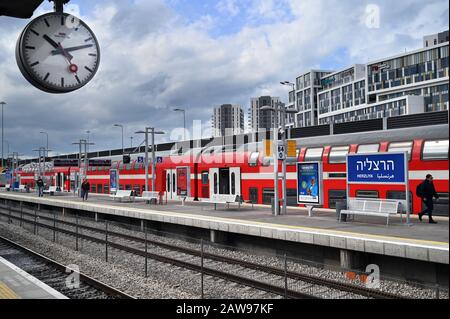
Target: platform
(17, 284)
(420, 241)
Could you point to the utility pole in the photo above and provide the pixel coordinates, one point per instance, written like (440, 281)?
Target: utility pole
(2, 104)
(83, 154)
(153, 132)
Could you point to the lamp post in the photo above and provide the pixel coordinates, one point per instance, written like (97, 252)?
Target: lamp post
(2, 104)
(88, 136)
(121, 126)
(153, 132)
(184, 121)
(293, 90)
(283, 112)
(131, 141)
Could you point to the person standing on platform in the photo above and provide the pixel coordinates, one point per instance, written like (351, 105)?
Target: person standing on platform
(40, 186)
(427, 192)
(85, 187)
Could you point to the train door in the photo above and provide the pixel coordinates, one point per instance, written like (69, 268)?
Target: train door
(225, 182)
(171, 184)
(178, 182)
(60, 181)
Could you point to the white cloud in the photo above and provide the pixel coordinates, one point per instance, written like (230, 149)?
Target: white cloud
(153, 61)
(229, 7)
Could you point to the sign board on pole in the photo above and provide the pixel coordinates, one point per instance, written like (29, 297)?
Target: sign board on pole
(384, 168)
(268, 146)
(113, 180)
(292, 148)
(140, 159)
(309, 183)
(159, 160)
(281, 152)
(380, 168)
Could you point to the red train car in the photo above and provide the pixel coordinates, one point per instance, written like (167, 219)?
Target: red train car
(244, 170)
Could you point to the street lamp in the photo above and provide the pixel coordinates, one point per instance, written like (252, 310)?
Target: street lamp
(131, 141)
(283, 112)
(295, 95)
(2, 104)
(153, 132)
(184, 121)
(121, 126)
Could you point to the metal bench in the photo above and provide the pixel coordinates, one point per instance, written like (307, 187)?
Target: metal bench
(224, 199)
(123, 194)
(22, 188)
(53, 190)
(148, 197)
(371, 207)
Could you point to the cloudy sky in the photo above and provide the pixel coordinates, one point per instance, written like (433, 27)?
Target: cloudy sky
(196, 54)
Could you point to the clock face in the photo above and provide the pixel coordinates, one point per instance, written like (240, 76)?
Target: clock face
(58, 53)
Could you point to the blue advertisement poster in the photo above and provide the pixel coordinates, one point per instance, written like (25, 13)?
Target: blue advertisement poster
(384, 168)
(113, 180)
(309, 183)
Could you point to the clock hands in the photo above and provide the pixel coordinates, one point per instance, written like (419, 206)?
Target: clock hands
(59, 51)
(55, 45)
(72, 67)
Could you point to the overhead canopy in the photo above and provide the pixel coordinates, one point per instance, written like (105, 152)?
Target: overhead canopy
(19, 9)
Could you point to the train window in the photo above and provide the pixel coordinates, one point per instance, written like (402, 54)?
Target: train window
(253, 160)
(435, 150)
(215, 183)
(267, 161)
(128, 187)
(401, 147)
(338, 154)
(368, 149)
(400, 195)
(314, 154)
(168, 183)
(205, 178)
(137, 190)
(367, 194)
(233, 183)
(106, 189)
(174, 189)
(254, 195)
(99, 188)
(336, 195)
(267, 195)
(93, 188)
(440, 206)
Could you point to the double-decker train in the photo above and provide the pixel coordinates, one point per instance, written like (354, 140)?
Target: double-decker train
(244, 170)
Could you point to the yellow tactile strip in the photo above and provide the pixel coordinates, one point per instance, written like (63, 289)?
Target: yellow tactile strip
(6, 292)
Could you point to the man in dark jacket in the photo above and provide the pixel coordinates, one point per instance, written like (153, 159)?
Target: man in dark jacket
(428, 192)
(85, 188)
(40, 186)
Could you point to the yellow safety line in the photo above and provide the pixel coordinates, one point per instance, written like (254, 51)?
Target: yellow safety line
(214, 218)
(6, 292)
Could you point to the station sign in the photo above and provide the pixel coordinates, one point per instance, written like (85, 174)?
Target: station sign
(65, 163)
(140, 159)
(385, 168)
(99, 163)
(309, 183)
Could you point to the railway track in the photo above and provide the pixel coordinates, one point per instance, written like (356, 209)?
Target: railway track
(189, 260)
(54, 274)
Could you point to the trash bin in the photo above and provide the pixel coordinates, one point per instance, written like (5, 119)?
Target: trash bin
(340, 206)
(273, 206)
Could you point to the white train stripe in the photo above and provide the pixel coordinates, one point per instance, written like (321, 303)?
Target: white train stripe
(413, 175)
